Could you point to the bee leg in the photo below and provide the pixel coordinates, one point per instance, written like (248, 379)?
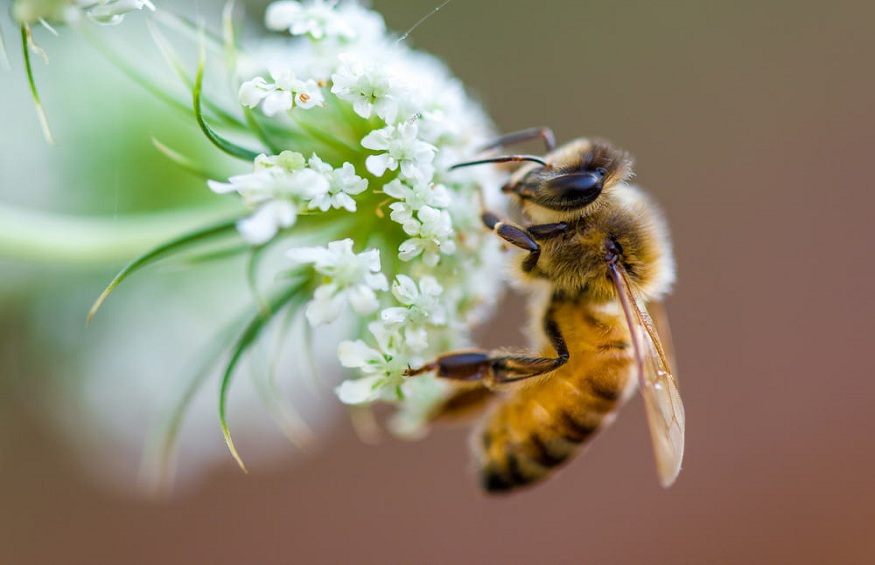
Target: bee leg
(524, 238)
(482, 366)
(547, 231)
(510, 368)
(524, 135)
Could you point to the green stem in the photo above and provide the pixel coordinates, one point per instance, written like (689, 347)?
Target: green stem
(45, 237)
(26, 41)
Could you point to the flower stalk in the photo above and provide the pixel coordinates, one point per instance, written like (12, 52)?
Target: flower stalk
(44, 237)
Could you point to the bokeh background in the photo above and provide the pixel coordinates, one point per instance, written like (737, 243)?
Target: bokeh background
(753, 125)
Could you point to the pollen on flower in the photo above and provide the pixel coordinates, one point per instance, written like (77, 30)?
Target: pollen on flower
(284, 93)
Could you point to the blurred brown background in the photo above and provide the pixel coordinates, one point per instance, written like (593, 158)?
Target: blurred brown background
(754, 126)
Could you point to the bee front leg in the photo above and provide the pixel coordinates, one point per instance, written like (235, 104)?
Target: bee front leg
(491, 369)
(524, 238)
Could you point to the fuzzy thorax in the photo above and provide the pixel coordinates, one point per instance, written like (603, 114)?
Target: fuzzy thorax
(575, 262)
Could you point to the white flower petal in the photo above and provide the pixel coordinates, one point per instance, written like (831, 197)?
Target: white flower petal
(377, 164)
(410, 249)
(355, 354)
(261, 226)
(324, 311)
(252, 92)
(359, 391)
(362, 299)
(376, 281)
(394, 315)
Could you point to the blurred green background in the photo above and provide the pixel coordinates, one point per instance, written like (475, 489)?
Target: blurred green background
(751, 124)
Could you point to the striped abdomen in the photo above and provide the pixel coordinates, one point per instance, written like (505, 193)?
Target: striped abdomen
(540, 425)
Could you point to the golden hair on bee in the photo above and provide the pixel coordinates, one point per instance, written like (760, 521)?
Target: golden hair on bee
(597, 261)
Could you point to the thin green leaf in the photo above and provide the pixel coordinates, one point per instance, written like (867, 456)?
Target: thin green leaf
(189, 28)
(229, 36)
(175, 62)
(160, 252)
(255, 126)
(227, 146)
(216, 255)
(27, 40)
(267, 387)
(307, 351)
(169, 54)
(162, 443)
(186, 163)
(135, 74)
(244, 342)
(255, 256)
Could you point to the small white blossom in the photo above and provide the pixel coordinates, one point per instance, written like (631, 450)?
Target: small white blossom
(285, 93)
(433, 235)
(382, 368)
(316, 18)
(370, 88)
(412, 199)
(276, 188)
(267, 220)
(350, 278)
(401, 148)
(343, 184)
(422, 307)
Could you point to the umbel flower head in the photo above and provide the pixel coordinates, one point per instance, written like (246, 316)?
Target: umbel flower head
(348, 136)
(363, 129)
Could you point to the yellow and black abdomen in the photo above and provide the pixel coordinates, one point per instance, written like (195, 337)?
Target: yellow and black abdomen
(535, 428)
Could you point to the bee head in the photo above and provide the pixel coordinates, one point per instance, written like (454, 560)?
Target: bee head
(573, 177)
(568, 179)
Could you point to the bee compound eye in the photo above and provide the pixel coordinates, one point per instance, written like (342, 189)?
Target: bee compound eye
(575, 190)
(578, 184)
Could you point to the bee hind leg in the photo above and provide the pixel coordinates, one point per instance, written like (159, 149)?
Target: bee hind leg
(480, 365)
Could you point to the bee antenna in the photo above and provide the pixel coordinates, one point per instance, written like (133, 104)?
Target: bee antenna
(502, 159)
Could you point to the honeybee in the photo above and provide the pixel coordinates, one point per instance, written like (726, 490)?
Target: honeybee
(597, 261)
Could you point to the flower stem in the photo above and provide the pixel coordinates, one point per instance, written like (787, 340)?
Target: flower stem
(45, 237)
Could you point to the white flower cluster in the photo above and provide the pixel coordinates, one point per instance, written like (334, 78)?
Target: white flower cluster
(107, 12)
(284, 93)
(284, 185)
(383, 124)
(350, 278)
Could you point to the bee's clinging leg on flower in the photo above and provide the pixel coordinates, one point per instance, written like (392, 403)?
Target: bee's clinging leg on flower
(478, 365)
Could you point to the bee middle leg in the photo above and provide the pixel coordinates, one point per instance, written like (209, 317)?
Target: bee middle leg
(480, 365)
(524, 238)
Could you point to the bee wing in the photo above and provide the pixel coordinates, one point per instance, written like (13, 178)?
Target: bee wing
(662, 401)
(660, 321)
